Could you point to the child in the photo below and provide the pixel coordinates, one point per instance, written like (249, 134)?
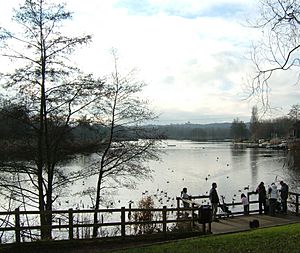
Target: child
(245, 203)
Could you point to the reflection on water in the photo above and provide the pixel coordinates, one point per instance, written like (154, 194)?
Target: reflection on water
(293, 159)
(253, 165)
(292, 165)
(196, 165)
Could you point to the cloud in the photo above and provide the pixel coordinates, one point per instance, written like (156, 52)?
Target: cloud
(189, 9)
(190, 52)
(191, 65)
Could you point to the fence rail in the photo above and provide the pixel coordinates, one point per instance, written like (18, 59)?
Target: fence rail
(17, 226)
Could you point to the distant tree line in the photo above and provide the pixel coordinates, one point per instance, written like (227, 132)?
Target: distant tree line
(17, 127)
(17, 134)
(274, 128)
(280, 127)
(196, 132)
(256, 129)
(267, 129)
(14, 125)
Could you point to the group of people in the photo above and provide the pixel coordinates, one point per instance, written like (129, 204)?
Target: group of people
(268, 199)
(213, 196)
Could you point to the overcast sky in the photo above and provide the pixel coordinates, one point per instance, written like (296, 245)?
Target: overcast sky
(191, 53)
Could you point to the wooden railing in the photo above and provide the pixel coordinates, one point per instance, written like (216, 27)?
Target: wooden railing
(19, 226)
(293, 203)
(65, 224)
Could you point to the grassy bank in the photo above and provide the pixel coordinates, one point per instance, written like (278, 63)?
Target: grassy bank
(275, 239)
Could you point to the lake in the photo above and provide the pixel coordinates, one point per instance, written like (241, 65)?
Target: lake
(196, 165)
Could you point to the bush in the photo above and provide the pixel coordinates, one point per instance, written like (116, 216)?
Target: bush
(146, 215)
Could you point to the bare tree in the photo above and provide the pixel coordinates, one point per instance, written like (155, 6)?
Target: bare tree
(238, 130)
(280, 46)
(128, 143)
(294, 112)
(55, 94)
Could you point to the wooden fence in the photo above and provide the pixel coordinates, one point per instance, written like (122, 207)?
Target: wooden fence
(293, 203)
(68, 222)
(16, 227)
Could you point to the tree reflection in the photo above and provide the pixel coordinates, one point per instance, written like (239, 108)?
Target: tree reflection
(253, 165)
(292, 165)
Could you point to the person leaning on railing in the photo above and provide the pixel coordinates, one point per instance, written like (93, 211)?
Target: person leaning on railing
(185, 196)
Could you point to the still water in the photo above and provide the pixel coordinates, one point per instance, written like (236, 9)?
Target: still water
(196, 165)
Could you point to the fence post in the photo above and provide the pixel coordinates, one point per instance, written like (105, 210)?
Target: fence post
(178, 207)
(248, 197)
(129, 212)
(297, 204)
(17, 225)
(193, 214)
(71, 232)
(123, 221)
(164, 216)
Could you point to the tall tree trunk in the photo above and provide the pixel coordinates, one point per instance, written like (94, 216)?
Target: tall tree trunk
(110, 139)
(97, 204)
(46, 214)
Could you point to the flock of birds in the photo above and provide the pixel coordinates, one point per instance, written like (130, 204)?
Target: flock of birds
(161, 196)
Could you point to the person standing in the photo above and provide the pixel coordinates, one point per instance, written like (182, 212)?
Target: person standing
(284, 192)
(262, 197)
(245, 203)
(214, 200)
(273, 195)
(185, 196)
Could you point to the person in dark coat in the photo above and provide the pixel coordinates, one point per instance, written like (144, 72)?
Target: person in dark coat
(284, 192)
(262, 198)
(214, 200)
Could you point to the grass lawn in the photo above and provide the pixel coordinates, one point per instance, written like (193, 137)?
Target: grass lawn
(268, 240)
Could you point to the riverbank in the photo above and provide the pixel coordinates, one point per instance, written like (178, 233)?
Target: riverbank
(272, 144)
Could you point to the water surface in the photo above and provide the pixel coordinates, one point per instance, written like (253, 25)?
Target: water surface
(196, 165)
